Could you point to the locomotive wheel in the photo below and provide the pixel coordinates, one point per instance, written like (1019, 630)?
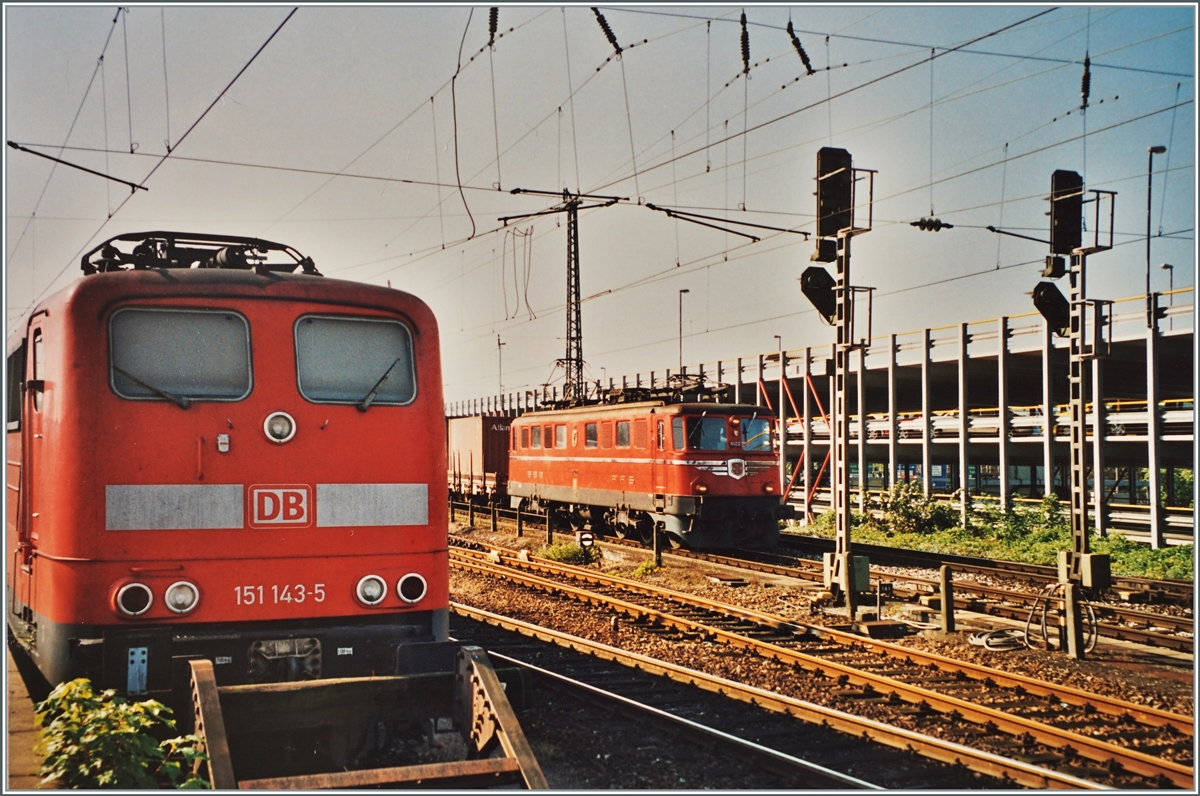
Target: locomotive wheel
(621, 530)
(646, 533)
(674, 541)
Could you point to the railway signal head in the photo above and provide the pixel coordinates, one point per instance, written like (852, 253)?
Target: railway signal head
(1053, 307)
(1066, 212)
(835, 191)
(819, 288)
(1055, 267)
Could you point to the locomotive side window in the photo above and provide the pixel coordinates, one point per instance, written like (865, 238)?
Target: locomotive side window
(560, 436)
(548, 436)
(361, 361)
(537, 437)
(677, 433)
(525, 437)
(706, 433)
(756, 435)
(178, 355)
(589, 435)
(606, 434)
(16, 375)
(622, 433)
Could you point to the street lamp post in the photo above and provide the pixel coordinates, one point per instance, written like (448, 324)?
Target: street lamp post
(1151, 152)
(681, 292)
(1170, 269)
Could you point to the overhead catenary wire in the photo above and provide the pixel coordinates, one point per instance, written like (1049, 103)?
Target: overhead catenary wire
(66, 138)
(164, 158)
(128, 90)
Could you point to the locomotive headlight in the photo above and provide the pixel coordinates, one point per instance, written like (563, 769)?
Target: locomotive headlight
(182, 597)
(371, 590)
(701, 488)
(279, 427)
(769, 488)
(134, 599)
(411, 588)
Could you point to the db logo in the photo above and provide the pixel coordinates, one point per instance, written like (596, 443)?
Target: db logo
(274, 505)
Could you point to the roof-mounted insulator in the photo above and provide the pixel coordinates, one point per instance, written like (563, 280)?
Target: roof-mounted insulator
(745, 46)
(800, 50)
(1085, 87)
(612, 39)
(493, 21)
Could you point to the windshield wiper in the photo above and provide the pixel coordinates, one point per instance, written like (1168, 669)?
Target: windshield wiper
(182, 401)
(365, 403)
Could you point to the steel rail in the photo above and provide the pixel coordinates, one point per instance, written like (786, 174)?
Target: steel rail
(1067, 694)
(771, 757)
(1056, 738)
(1107, 629)
(1022, 773)
(1035, 573)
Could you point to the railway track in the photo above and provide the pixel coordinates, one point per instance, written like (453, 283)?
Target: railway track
(1171, 591)
(825, 748)
(1118, 622)
(1152, 628)
(1124, 743)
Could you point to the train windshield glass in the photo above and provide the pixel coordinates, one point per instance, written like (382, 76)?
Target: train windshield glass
(179, 355)
(756, 435)
(351, 360)
(706, 433)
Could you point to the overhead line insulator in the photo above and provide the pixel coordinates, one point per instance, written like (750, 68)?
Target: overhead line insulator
(1085, 86)
(493, 22)
(931, 224)
(745, 46)
(612, 39)
(800, 50)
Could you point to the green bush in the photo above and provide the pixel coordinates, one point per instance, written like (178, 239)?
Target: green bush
(566, 552)
(105, 741)
(1028, 534)
(645, 568)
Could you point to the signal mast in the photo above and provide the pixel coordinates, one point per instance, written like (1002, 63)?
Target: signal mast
(845, 574)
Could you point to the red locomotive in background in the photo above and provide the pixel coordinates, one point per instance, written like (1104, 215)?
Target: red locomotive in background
(706, 475)
(212, 456)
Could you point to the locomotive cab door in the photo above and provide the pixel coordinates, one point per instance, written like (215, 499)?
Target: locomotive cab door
(658, 468)
(31, 429)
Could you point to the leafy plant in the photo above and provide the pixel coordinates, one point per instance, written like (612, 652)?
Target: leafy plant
(91, 740)
(566, 552)
(645, 568)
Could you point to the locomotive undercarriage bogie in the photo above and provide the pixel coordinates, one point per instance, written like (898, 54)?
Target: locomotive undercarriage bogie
(154, 660)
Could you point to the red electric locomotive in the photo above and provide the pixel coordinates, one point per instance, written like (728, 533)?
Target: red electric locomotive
(212, 456)
(704, 474)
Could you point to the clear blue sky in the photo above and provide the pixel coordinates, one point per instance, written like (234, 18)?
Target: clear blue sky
(347, 91)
